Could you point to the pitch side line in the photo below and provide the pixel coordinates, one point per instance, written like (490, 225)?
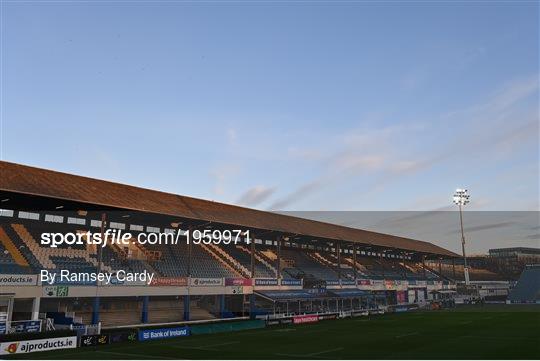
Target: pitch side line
(134, 354)
(312, 355)
(408, 334)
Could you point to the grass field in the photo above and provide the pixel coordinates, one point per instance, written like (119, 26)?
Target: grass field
(493, 332)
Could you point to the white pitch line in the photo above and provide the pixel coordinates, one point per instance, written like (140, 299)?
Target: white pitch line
(321, 352)
(311, 355)
(134, 354)
(407, 334)
(285, 330)
(207, 347)
(293, 356)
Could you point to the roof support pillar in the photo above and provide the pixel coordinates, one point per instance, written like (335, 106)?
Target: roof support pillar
(382, 265)
(252, 248)
(404, 268)
(338, 251)
(189, 241)
(354, 261)
(278, 266)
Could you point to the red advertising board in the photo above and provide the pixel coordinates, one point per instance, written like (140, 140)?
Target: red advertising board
(169, 281)
(238, 282)
(364, 282)
(306, 319)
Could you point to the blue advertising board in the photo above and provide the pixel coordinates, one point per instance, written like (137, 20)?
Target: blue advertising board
(266, 282)
(291, 282)
(161, 333)
(26, 326)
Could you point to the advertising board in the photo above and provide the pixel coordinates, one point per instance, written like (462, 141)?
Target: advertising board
(161, 333)
(305, 319)
(47, 344)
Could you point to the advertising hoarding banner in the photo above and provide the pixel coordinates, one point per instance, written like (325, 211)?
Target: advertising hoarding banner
(122, 336)
(47, 344)
(305, 319)
(332, 316)
(103, 339)
(364, 282)
(291, 282)
(18, 280)
(170, 281)
(161, 333)
(206, 282)
(26, 326)
(89, 340)
(238, 282)
(266, 282)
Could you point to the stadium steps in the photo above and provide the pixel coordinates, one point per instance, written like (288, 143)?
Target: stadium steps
(112, 317)
(269, 257)
(441, 275)
(150, 268)
(258, 257)
(346, 268)
(271, 263)
(322, 260)
(147, 265)
(12, 249)
(225, 260)
(43, 254)
(198, 313)
(27, 250)
(360, 268)
(234, 263)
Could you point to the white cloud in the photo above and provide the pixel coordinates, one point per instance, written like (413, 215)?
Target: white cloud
(255, 196)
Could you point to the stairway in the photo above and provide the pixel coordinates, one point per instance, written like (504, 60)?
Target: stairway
(42, 254)
(259, 258)
(12, 249)
(224, 259)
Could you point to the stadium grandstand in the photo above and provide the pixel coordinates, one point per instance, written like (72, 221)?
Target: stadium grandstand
(527, 289)
(287, 265)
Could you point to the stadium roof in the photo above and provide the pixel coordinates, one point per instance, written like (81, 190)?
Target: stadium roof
(21, 179)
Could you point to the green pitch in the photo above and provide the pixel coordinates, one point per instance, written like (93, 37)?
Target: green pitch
(499, 332)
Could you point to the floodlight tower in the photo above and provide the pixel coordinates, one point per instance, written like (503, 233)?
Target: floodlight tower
(461, 198)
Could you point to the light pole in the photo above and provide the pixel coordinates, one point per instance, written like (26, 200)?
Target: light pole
(461, 198)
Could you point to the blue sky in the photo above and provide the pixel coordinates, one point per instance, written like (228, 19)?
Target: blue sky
(285, 106)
